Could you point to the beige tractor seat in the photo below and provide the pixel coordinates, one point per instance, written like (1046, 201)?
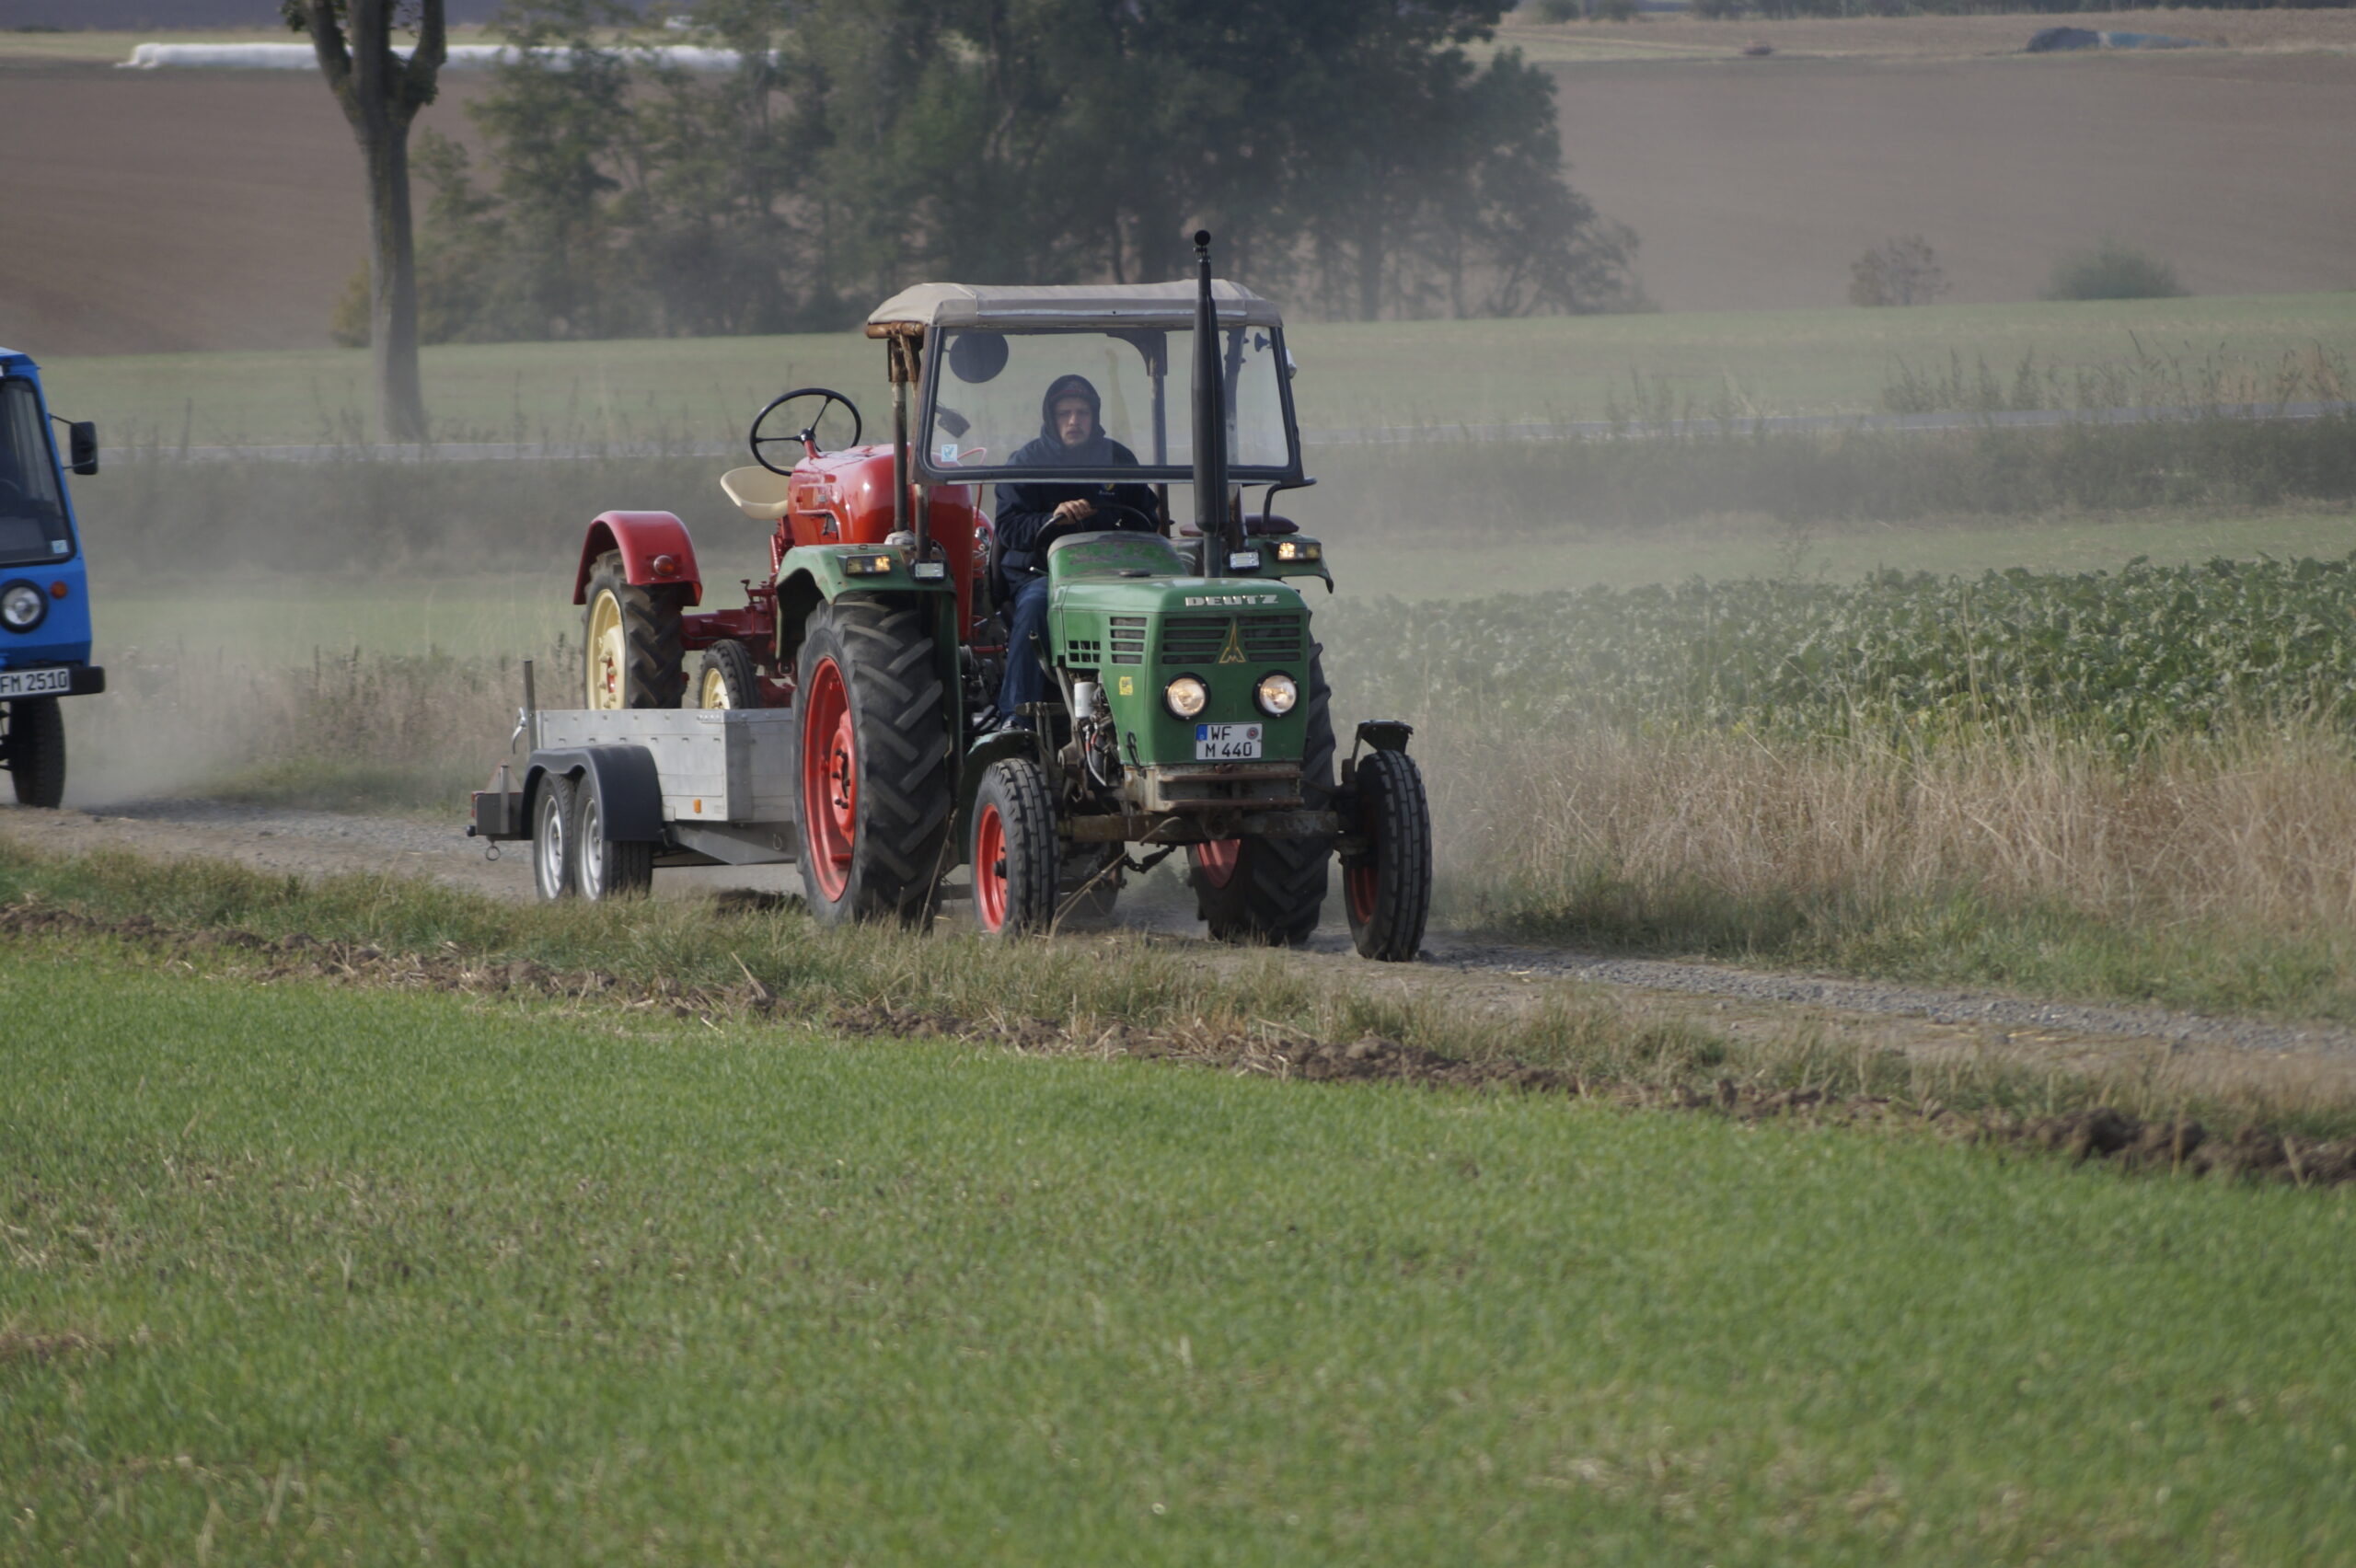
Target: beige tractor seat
(757, 493)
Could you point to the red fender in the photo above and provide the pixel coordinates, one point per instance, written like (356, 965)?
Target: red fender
(644, 539)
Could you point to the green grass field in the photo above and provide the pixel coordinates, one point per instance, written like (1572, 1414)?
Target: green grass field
(1433, 373)
(307, 1275)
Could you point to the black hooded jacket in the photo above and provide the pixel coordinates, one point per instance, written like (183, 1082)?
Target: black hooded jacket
(1026, 520)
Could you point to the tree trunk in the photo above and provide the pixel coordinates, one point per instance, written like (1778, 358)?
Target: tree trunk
(392, 276)
(380, 94)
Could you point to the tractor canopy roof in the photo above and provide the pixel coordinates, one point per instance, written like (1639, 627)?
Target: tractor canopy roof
(1067, 305)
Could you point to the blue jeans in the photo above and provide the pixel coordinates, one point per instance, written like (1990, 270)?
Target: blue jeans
(1026, 643)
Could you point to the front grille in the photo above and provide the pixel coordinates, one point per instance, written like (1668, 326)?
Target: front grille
(1083, 652)
(1202, 640)
(1128, 639)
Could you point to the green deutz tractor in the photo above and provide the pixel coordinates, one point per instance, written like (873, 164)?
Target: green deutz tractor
(1182, 703)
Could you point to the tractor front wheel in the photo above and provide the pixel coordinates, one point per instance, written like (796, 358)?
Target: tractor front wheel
(1272, 890)
(728, 678)
(1388, 883)
(36, 750)
(631, 636)
(871, 758)
(1013, 849)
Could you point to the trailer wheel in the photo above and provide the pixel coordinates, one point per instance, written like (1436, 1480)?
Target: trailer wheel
(36, 750)
(630, 639)
(1387, 884)
(871, 756)
(727, 677)
(1014, 850)
(1272, 890)
(552, 853)
(603, 868)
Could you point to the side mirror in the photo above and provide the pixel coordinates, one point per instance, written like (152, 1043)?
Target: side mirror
(82, 446)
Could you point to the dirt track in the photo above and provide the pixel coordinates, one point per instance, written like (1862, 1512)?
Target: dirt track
(1479, 976)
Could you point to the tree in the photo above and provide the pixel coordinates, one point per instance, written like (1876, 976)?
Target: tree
(1898, 271)
(380, 95)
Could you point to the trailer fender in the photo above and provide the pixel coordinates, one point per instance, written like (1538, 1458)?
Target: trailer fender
(655, 550)
(629, 789)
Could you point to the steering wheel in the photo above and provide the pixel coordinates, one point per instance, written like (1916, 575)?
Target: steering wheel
(807, 436)
(1088, 524)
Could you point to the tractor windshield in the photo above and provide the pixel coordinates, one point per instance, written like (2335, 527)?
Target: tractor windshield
(990, 410)
(32, 510)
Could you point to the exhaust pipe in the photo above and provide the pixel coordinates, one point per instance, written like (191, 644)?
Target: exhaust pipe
(1212, 515)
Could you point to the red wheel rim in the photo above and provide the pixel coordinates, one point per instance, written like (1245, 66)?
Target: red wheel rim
(1217, 859)
(829, 777)
(989, 868)
(1362, 883)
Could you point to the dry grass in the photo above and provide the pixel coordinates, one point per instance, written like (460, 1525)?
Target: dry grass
(2210, 870)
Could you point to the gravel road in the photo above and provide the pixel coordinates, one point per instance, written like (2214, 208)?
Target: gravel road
(314, 842)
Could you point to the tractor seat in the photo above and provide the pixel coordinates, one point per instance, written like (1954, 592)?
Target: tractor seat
(757, 493)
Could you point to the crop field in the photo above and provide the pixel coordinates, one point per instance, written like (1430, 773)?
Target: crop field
(303, 1270)
(1753, 184)
(1437, 376)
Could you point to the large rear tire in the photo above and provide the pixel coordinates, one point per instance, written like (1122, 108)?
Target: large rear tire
(1014, 850)
(36, 750)
(1387, 885)
(1272, 889)
(872, 760)
(630, 636)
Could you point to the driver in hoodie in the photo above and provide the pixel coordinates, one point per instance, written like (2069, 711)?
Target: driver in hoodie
(1034, 514)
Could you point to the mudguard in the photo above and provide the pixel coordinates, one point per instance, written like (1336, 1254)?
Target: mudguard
(643, 538)
(629, 789)
(811, 575)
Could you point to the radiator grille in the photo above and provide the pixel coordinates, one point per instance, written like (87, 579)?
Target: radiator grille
(1128, 639)
(1083, 652)
(1202, 640)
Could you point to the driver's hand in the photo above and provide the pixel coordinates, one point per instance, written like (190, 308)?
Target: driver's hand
(1075, 512)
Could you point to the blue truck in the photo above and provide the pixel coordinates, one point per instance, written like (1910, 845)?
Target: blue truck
(44, 592)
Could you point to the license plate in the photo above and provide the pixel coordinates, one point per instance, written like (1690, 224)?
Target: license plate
(41, 683)
(1227, 742)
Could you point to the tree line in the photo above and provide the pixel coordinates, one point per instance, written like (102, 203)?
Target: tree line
(1354, 157)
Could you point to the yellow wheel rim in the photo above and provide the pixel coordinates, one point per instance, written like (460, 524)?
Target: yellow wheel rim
(715, 689)
(608, 651)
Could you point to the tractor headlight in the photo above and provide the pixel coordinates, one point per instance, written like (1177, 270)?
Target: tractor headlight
(22, 606)
(1187, 695)
(867, 566)
(1275, 695)
(1299, 550)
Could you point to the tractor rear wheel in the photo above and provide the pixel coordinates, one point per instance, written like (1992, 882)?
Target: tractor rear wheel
(727, 677)
(1272, 890)
(1014, 850)
(871, 755)
(36, 745)
(631, 638)
(1387, 884)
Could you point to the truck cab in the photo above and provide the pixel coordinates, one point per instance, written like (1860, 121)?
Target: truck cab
(44, 589)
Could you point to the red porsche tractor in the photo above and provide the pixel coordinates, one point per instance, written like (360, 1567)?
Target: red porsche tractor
(836, 719)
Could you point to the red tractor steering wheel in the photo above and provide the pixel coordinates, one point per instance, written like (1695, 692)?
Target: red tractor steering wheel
(807, 436)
